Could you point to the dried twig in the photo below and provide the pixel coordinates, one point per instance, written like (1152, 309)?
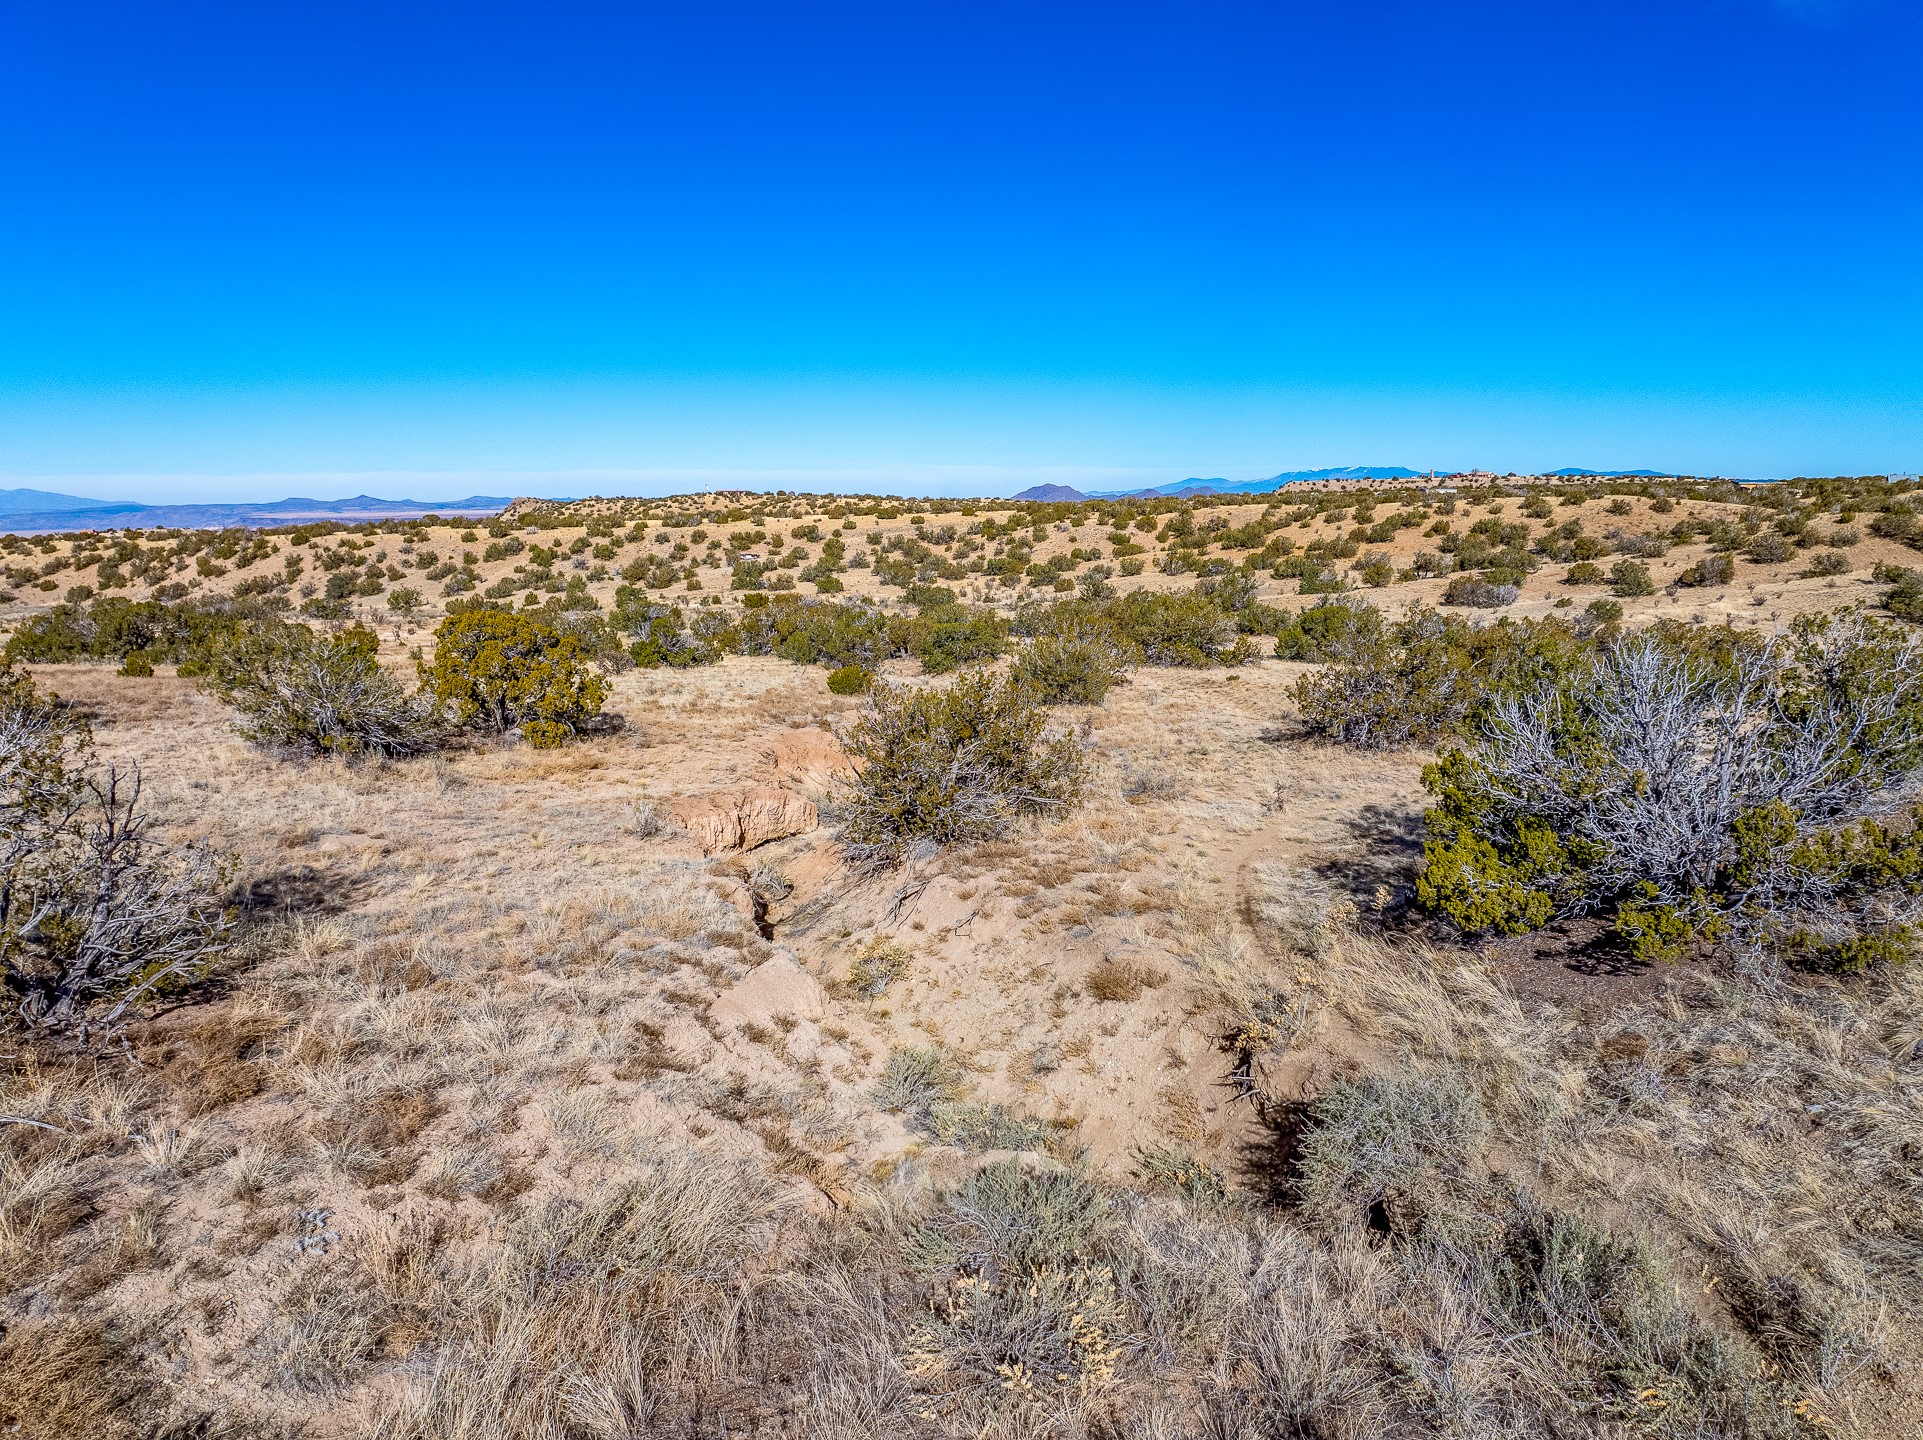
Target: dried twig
(37, 1124)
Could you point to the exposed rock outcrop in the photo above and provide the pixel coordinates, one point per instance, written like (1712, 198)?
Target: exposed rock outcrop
(809, 760)
(745, 817)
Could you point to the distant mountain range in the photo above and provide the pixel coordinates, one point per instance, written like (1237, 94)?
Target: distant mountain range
(42, 510)
(32, 511)
(1218, 486)
(1063, 494)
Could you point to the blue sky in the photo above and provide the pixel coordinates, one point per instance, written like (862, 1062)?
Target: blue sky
(250, 249)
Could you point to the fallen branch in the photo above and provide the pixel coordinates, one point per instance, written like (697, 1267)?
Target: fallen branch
(37, 1124)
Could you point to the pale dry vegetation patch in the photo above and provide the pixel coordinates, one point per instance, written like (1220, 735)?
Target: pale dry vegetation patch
(1758, 1127)
(1121, 980)
(595, 1315)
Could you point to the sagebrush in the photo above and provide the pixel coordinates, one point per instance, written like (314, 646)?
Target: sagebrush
(961, 762)
(1691, 791)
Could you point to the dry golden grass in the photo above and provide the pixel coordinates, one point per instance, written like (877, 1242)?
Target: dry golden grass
(1122, 980)
(64, 1377)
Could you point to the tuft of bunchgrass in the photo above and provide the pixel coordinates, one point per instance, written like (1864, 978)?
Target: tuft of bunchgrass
(876, 966)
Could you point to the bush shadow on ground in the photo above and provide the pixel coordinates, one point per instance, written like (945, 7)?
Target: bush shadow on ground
(301, 890)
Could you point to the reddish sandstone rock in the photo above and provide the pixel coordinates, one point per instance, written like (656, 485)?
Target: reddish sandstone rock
(743, 818)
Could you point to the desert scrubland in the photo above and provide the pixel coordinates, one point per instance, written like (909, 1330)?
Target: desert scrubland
(1338, 964)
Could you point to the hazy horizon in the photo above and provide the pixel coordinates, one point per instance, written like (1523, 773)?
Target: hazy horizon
(460, 485)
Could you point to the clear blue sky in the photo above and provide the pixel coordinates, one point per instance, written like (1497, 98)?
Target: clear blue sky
(960, 246)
